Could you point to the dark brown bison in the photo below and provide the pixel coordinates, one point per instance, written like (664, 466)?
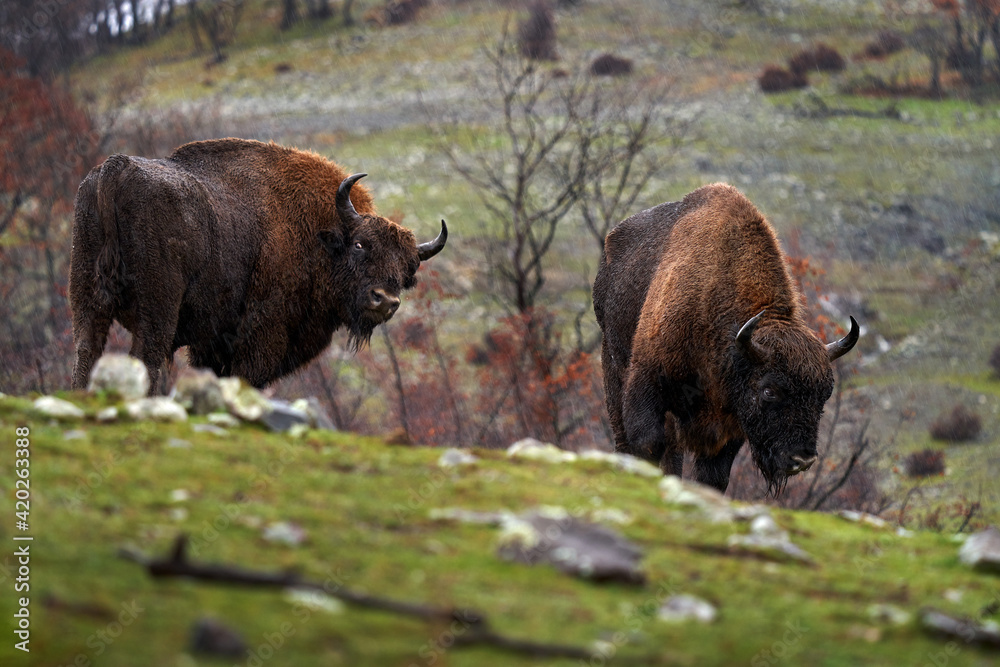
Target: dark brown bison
(251, 254)
(704, 342)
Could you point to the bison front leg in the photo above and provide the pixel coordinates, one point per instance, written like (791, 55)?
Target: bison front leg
(714, 470)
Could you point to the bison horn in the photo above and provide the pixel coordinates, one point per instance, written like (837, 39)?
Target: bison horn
(345, 209)
(745, 335)
(841, 347)
(431, 248)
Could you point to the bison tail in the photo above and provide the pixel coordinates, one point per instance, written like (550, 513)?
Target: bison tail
(109, 267)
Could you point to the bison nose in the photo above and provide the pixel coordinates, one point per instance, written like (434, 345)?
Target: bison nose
(800, 464)
(383, 302)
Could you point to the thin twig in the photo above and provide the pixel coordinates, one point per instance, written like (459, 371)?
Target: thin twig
(479, 633)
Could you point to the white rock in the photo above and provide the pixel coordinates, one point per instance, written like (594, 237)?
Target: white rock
(179, 495)
(982, 550)
(243, 400)
(158, 408)
(314, 600)
(623, 462)
(108, 414)
(285, 532)
(535, 450)
(453, 457)
(50, 406)
(862, 517)
(888, 613)
(680, 608)
(223, 420)
(75, 434)
(686, 493)
(122, 373)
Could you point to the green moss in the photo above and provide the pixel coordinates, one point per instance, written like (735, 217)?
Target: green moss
(364, 506)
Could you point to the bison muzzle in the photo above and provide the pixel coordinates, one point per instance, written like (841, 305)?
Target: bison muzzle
(249, 253)
(705, 346)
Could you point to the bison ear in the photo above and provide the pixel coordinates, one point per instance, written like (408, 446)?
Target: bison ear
(333, 242)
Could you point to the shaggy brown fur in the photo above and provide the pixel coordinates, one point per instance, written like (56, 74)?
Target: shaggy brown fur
(676, 284)
(236, 249)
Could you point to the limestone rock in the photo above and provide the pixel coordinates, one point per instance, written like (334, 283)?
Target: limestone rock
(623, 462)
(982, 550)
(157, 408)
(576, 547)
(213, 637)
(706, 499)
(453, 457)
(108, 414)
(121, 373)
(969, 631)
(223, 420)
(242, 400)
(199, 391)
(281, 417)
(680, 608)
(318, 417)
(50, 406)
(536, 450)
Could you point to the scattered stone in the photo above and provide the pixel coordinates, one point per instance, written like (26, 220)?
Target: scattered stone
(453, 457)
(862, 517)
(953, 595)
(178, 514)
(611, 515)
(470, 516)
(178, 443)
(318, 417)
(982, 550)
(50, 406)
(888, 613)
(223, 420)
(536, 450)
(706, 499)
(969, 631)
(157, 408)
(282, 417)
(776, 547)
(576, 547)
(765, 526)
(298, 431)
(212, 637)
(242, 400)
(285, 532)
(680, 608)
(199, 391)
(210, 428)
(121, 373)
(623, 462)
(314, 600)
(179, 495)
(108, 414)
(75, 434)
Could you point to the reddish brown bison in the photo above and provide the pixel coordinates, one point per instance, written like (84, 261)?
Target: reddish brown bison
(250, 254)
(704, 342)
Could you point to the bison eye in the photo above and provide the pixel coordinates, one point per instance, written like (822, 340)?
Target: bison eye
(770, 394)
(359, 245)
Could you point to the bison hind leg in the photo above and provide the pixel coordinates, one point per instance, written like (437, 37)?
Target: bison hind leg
(90, 334)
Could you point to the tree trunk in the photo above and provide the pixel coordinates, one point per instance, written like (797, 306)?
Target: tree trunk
(290, 14)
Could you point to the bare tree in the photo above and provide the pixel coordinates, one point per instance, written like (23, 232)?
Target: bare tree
(561, 142)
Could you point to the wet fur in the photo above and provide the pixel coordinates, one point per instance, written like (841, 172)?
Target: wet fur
(233, 248)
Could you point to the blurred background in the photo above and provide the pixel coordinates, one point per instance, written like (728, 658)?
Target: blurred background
(865, 131)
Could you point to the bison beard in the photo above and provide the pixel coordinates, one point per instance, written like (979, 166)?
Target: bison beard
(704, 343)
(250, 254)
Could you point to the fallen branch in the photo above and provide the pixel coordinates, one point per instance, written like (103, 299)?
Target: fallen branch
(477, 628)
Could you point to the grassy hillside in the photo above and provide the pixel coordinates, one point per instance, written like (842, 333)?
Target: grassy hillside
(364, 507)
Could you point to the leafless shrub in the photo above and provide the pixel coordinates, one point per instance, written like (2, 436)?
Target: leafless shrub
(776, 79)
(959, 425)
(820, 58)
(608, 64)
(925, 463)
(886, 43)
